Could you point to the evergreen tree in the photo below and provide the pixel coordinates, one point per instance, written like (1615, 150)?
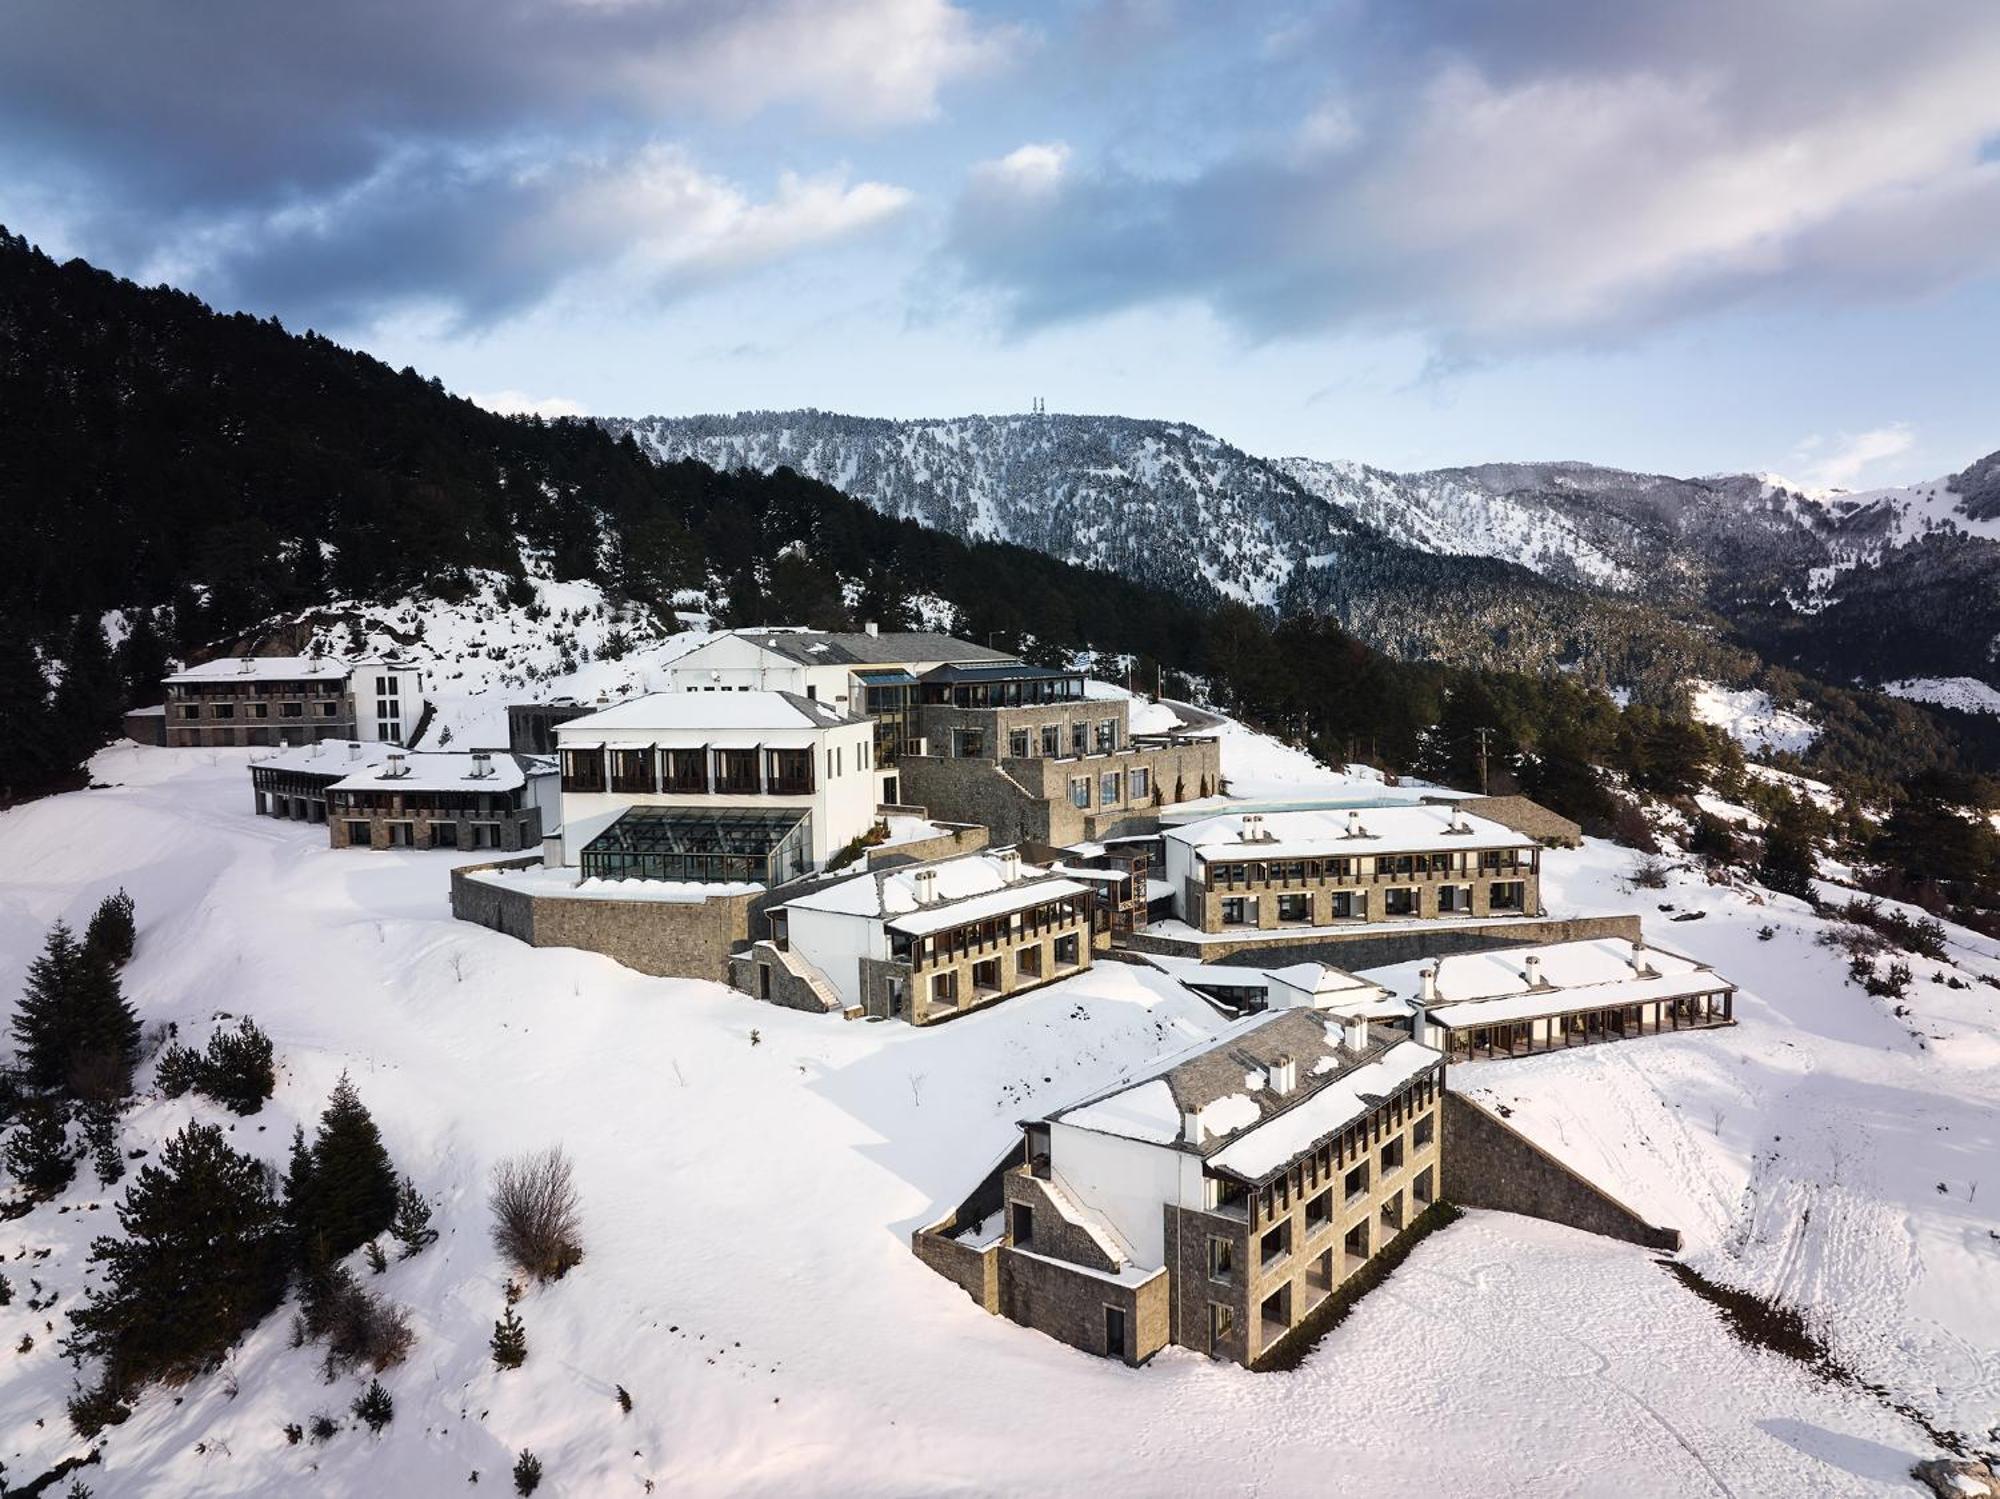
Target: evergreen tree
(237, 1070)
(201, 1261)
(353, 1182)
(100, 1137)
(112, 932)
(31, 760)
(38, 1153)
(43, 1019)
(527, 1473)
(141, 659)
(510, 1340)
(1790, 859)
(104, 1033)
(374, 1407)
(412, 1226)
(89, 697)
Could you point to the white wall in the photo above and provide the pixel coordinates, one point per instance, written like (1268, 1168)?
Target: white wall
(835, 943)
(408, 699)
(733, 661)
(1178, 868)
(1127, 1182)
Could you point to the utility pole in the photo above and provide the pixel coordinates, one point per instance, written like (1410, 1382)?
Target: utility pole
(1484, 735)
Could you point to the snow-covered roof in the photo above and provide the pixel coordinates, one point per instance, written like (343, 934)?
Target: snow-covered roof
(327, 757)
(726, 711)
(1334, 834)
(1488, 987)
(1318, 986)
(265, 669)
(859, 648)
(1021, 897)
(1282, 1139)
(1226, 1085)
(449, 770)
(893, 892)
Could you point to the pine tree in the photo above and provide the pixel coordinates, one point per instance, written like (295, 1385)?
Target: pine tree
(201, 1261)
(38, 1153)
(237, 1070)
(100, 1137)
(104, 1039)
(374, 1407)
(89, 696)
(42, 1020)
(412, 1226)
(31, 759)
(111, 931)
(510, 1340)
(527, 1473)
(141, 659)
(354, 1184)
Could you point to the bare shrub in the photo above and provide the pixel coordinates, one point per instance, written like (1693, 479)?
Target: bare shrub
(1649, 874)
(361, 1329)
(536, 1221)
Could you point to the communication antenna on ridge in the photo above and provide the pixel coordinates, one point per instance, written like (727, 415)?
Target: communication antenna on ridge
(1040, 407)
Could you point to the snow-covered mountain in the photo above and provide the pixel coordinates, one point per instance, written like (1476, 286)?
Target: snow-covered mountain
(1866, 587)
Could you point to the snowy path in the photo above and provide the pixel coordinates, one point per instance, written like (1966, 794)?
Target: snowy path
(747, 1208)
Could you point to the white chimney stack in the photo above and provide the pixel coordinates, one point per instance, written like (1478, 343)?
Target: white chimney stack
(482, 765)
(1010, 865)
(872, 628)
(1458, 821)
(1191, 1131)
(1252, 827)
(397, 768)
(1428, 977)
(1356, 1033)
(353, 750)
(1282, 1076)
(247, 665)
(1533, 966)
(925, 883)
(1354, 828)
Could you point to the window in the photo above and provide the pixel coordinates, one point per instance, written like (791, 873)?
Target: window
(1142, 784)
(1355, 1183)
(1392, 1156)
(1392, 1214)
(1114, 1331)
(1296, 907)
(260, 710)
(1507, 895)
(632, 770)
(1421, 1191)
(583, 770)
(1107, 736)
(328, 710)
(1356, 1242)
(191, 710)
(968, 744)
(1348, 905)
(1399, 900)
(225, 710)
(1319, 1212)
(1239, 910)
(357, 833)
(1221, 1259)
(1079, 738)
(1221, 1325)
(1017, 744)
(944, 988)
(291, 710)
(1051, 740)
(1109, 785)
(1067, 951)
(444, 835)
(1079, 791)
(1426, 1127)
(986, 976)
(1024, 1225)
(1028, 962)
(1275, 1245)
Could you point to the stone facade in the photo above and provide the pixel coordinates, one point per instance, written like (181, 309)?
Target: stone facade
(1030, 800)
(258, 711)
(1040, 954)
(1477, 885)
(667, 939)
(952, 840)
(1550, 829)
(1492, 1165)
(1061, 1283)
(1363, 946)
(432, 819)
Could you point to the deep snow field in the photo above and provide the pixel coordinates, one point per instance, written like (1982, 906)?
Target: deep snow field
(750, 1177)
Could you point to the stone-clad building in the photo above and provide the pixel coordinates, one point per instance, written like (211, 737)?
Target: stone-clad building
(923, 942)
(292, 784)
(479, 799)
(1316, 869)
(1219, 1201)
(287, 700)
(1024, 751)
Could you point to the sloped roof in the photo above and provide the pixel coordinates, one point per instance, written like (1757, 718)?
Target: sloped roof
(1324, 834)
(889, 648)
(708, 710)
(448, 770)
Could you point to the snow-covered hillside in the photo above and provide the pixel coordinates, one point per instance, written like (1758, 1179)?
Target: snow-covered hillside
(1748, 716)
(1966, 694)
(750, 1177)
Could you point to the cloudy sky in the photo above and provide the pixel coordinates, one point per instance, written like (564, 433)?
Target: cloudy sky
(1687, 236)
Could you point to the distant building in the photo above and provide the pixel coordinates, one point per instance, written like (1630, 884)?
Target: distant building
(1218, 1202)
(923, 942)
(288, 700)
(1317, 869)
(1519, 1001)
(531, 727)
(292, 784)
(866, 674)
(1028, 752)
(475, 799)
(690, 786)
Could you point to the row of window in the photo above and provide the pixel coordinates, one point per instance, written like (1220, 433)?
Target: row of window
(970, 742)
(1296, 908)
(783, 772)
(442, 834)
(986, 975)
(1244, 872)
(257, 710)
(1112, 787)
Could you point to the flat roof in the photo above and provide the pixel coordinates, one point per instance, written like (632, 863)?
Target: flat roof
(1010, 671)
(1021, 897)
(859, 648)
(333, 758)
(448, 770)
(266, 669)
(1326, 834)
(1481, 988)
(685, 710)
(893, 892)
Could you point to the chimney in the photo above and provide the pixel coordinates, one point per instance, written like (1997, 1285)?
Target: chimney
(397, 766)
(353, 749)
(1458, 822)
(1354, 827)
(925, 881)
(1282, 1076)
(482, 765)
(1355, 1033)
(247, 665)
(1010, 865)
(1191, 1130)
(872, 628)
(1252, 827)
(1428, 978)
(1532, 966)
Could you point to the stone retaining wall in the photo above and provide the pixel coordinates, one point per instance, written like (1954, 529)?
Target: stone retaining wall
(1489, 1164)
(959, 838)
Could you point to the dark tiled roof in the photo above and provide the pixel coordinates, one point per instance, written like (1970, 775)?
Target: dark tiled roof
(890, 648)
